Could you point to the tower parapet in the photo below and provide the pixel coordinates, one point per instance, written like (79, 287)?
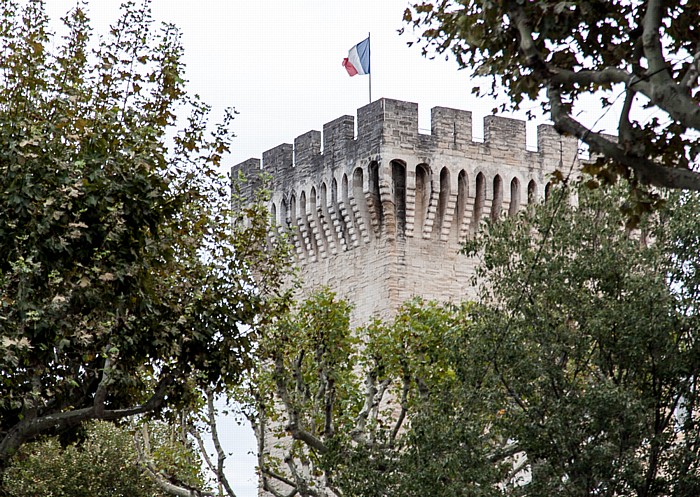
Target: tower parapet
(380, 217)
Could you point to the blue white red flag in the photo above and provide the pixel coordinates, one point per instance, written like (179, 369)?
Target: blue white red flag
(357, 61)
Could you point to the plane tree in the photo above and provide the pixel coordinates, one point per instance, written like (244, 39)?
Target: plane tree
(575, 373)
(644, 55)
(125, 284)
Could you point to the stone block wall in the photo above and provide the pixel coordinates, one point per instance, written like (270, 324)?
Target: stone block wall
(379, 217)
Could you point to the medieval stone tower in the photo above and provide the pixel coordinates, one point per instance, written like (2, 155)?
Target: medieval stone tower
(379, 217)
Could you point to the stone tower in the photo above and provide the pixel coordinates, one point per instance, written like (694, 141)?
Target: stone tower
(379, 217)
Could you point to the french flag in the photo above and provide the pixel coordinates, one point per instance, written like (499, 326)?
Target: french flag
(357, 61)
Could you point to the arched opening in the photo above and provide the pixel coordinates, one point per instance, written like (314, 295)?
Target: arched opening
(334, 192)
(398, 178)
(284, 215)
(442, 200)
(497, 205)
(422, 196)
(344, 213)
(360, 201)
(480, 198)
(462, 195)
(324, 218)
(547, 191)
(514, 197)
(273, 215)
(344, 187)
(293, 210)
(302, 206)
(531, 192)
(375, 198)
(294, 224)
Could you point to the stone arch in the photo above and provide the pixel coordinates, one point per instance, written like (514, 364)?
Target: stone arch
(273, 215)
(294, 227)
(314, 219)
(374, 200)
(344, 188)
(325, 219)
(334, 192)
(292, 210)
(443, 199)
(531, 192)
(479, 200)
(461, 205)
(422, 197)
(497, 204)
(547, 191)
(302, 205)
(514, 197)
(361, 215)
(398, 180)
(344, 211)
(284, 214)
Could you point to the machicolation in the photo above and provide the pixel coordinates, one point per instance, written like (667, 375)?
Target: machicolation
(379, 217)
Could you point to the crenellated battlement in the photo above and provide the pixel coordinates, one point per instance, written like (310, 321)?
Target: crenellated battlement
(388, 208)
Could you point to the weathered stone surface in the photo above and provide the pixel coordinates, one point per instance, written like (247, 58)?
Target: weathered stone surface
(383, 214)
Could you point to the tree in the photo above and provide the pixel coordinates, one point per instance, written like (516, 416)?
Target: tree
(126, 282)
(563, 51)
(576, 374)
(335, 409)
(104, 464)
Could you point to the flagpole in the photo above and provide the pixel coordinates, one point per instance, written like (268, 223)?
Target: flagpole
(370, 65)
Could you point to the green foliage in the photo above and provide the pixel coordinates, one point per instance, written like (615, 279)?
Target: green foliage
(103, 465)
(592, 346)
(561, 53)
(576, 373)
(127, 281)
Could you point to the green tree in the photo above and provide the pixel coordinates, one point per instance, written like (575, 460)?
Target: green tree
(104, 464)
(575, 375)
(126, 279)
(561, 51)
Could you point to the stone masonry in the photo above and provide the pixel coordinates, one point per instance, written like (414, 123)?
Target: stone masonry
(379, 218)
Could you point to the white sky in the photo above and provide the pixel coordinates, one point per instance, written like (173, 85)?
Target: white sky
(278, 62)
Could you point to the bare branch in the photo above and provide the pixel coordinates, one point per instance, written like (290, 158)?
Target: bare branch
(143, 452)
(202, 449)
(220, 454)
(652, 42)
(101, 392)
(404, 408)
(609, 75)
(527, 41)
(370, 392)
(293, 427)
(690, 79)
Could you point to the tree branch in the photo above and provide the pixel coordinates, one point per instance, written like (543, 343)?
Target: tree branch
(30, 427)
(220, 454)
(143, 452)
(651, 42)
(609, 75)
(646, 170)
(404, 409)
(101, 392)
(293, 427)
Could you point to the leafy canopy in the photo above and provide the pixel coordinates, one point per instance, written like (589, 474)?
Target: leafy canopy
(576, 373)
(104, 464)
(647, 53)
(125, 283)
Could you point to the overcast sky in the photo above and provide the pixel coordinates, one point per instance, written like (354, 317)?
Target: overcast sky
(278, 62)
